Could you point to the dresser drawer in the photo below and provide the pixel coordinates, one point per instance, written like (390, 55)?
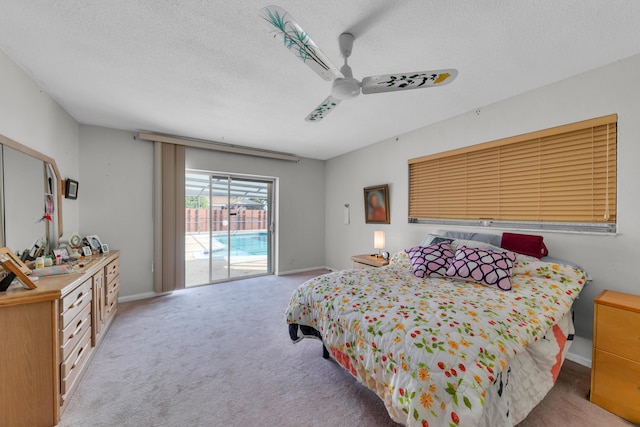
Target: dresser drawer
(73, 333)
(112, 306)
(112, 290)
(74, 303)
(616, 385)
(72, 366)
(618, 331)
(112, 270)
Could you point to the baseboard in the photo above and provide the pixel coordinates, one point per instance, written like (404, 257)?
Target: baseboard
(581, 351)
(303, 270)
(144, 295)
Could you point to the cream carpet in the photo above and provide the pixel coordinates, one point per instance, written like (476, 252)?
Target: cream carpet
(220, 355)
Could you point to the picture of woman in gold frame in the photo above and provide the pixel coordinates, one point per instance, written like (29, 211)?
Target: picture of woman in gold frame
(376, 204)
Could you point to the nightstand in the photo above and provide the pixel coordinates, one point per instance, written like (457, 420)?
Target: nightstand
(368, 261)
(615, 375)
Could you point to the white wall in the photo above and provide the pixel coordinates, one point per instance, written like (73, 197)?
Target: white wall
(31, 117)
(300, 212)
(113, 171)
(609, 260)
(116, 200)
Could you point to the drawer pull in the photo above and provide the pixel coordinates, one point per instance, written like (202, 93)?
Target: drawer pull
(78, 329)
(76, 303)
(74, 363)
(79, 353)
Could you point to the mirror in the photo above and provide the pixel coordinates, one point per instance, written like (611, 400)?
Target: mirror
(30, 183)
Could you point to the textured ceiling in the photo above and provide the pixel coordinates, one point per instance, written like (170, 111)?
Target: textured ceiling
(208, 69)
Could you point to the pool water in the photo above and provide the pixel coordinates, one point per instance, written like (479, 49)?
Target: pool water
(245, 243)
(241, 244)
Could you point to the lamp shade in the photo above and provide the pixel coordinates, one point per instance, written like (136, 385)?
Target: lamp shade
(378, 239)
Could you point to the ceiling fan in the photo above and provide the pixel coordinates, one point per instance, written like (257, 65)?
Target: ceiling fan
(282, 26)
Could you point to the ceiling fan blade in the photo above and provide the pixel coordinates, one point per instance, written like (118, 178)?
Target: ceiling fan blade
(406, 81)
(282, 26)
(323, 109)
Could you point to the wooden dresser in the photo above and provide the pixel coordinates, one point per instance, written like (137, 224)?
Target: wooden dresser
(615, 375)
(48, 336)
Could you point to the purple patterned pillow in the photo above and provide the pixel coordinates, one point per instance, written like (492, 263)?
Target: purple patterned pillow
(484, 266)
(431, 261)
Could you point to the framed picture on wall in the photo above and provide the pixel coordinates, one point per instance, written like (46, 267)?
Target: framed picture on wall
(376, 204)
(71, 189)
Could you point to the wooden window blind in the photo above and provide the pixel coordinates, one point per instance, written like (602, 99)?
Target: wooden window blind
(565, 174)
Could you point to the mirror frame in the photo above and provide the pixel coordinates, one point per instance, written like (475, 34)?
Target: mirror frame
(46, 159)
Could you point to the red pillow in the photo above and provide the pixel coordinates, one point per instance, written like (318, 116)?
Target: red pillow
(526, 244)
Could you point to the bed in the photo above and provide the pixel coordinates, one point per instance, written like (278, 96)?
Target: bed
(443, 351)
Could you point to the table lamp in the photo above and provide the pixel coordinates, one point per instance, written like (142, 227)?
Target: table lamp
(378, 241)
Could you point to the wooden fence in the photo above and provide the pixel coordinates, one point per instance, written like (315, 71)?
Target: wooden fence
(197, 220)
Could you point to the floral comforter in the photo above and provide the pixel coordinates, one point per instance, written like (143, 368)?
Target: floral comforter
(431, 348)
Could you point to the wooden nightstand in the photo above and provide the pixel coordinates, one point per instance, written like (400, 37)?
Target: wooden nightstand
(615, 375)
(368, 261)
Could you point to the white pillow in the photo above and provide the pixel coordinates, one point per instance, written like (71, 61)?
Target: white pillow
(432, 239)
(470, 244)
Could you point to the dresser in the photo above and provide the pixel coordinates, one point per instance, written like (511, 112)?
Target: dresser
(615, 374)
(48, 336)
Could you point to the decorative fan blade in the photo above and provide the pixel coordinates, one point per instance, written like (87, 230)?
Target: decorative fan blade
(406, 81)
(323, 109)
(281, 25)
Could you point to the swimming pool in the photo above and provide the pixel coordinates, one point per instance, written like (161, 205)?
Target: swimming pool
(243, 243)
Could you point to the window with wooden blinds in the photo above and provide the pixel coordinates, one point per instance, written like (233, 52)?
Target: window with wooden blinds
(558, 178)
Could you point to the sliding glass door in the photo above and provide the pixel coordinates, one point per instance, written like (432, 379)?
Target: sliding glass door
(229, 227)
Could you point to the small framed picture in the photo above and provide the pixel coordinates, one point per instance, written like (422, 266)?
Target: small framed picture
(7, 255)
(71, 189)
(62, 253)
(86, 251)
(95, 242)
(105, 248)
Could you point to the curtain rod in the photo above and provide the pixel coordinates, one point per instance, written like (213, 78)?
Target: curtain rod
(217, 146)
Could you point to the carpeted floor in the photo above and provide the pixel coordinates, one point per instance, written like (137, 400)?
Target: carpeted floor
(220, 355)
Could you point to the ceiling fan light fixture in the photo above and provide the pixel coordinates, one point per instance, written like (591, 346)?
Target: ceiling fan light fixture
(283, 27)
(346, 88)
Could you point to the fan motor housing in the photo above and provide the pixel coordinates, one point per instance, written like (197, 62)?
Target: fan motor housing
(345, 88)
